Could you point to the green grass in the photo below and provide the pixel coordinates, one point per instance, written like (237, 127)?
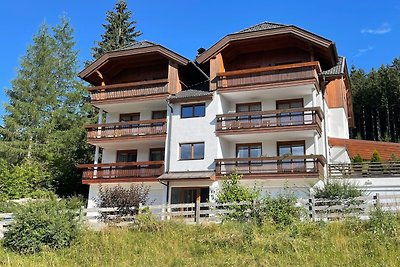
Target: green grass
(231, 244)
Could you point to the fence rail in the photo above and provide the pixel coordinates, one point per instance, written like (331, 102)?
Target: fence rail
(364, 169)
(316, 210)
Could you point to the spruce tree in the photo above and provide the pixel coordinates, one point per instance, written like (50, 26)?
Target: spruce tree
(32, 101)
(120, 30)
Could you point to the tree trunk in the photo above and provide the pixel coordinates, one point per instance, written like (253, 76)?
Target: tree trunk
(378, 125)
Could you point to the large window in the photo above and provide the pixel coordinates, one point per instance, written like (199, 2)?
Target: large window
(127, 156)
(193, 110)
(157, 154)
(294, 148)
(191, 151)
(249, 150)
(249, 107)
(129, 117)
(290, 118)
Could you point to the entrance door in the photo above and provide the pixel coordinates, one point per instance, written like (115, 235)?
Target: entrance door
(189, 195)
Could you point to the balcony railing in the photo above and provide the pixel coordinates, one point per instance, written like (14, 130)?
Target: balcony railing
(269, 75)
(273, 119)
(129, 90)
(127, 129)
(122, 170)
(365, 169)
(265, 167)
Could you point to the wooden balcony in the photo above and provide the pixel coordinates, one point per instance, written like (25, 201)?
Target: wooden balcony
(126, 91)
(285, 75)
(122, 172)
(149, 129)
(364, 170)
(270, 121)
(307, 166)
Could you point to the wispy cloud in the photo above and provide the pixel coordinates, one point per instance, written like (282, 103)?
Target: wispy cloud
(362, 51)
(384, 28)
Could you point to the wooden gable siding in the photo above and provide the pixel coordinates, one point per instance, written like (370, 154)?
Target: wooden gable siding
(148, 73)
(366, 148)
(267, 58)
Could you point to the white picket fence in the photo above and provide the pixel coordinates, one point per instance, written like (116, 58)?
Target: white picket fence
(316, 210)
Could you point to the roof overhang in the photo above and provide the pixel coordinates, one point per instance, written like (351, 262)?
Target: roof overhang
(155, 49)
(188, 175)
(286, 30)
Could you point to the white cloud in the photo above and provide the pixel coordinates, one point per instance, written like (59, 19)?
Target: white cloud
(362, 51)
(384, 28)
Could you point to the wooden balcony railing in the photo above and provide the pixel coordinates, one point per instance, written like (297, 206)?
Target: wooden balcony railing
(301, 166)
(364, 169)
(128, 90)
(127, 129)
(270, 119)
(269, 75)
(122, 170)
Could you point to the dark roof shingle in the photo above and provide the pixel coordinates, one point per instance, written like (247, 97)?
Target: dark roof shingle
(338, 69)
(138, 44)
(190, 93)
(262, 26)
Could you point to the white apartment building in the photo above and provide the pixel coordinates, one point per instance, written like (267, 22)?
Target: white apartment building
(263, 102)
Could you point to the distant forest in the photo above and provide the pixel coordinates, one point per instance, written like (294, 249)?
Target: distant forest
(376, 100)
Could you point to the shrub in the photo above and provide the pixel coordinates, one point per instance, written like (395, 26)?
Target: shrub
(233, 192)
(147, 222)
(376, 157)
(281, 210)
(28, 179)
(126, 200)
(357, 159)
(334, 189)
(43, 224)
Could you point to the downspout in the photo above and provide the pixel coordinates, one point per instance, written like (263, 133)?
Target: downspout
(323, 83)
(167, 150)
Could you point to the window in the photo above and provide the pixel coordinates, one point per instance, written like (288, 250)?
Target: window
(246, 107)
(157, 154)
(193, 110)
(159, 114)
(127, 156)
(294, 148)
(290, 118)
(248, 150)
(191, 151)
(129, 117)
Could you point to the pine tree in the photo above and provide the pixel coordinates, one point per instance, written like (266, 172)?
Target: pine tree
(32, 100)
(120, 30)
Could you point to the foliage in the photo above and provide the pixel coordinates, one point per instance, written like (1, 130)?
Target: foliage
(280, 210)
(29, 179)
(120, 30)
(357, 159)
(376, 157)
(376, 101)
(48, 107)
(382, 223)
(145, 221)
(126, 200)
(227, 244)
(42, 225)
(234, 192)
(334, 189)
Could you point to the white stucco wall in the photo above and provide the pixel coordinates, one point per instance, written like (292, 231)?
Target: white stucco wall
(192, 130)
(338, 125)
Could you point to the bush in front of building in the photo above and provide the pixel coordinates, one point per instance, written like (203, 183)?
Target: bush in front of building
(42, 225)
(125, 200)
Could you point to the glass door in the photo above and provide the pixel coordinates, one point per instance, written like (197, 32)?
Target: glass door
(286, 149)
(290, 118)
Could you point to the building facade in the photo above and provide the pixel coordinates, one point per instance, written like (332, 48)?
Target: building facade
(263, 102)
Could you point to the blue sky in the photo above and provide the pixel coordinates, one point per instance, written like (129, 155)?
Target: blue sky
(366, 32)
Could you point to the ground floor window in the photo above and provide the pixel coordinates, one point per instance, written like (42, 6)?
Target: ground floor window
(189, 194)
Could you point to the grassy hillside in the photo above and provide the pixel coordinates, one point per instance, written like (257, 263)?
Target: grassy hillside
(232, 244)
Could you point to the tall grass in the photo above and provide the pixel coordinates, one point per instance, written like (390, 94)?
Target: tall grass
(348, 243)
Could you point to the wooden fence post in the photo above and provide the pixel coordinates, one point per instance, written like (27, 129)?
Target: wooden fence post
(197, 211)
(311, 203)
(377, 200)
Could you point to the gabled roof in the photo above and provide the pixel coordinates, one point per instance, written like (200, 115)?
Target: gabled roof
(137, 48)
(262, 26)
(366, 148)
(338, 69)
(266, 29)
